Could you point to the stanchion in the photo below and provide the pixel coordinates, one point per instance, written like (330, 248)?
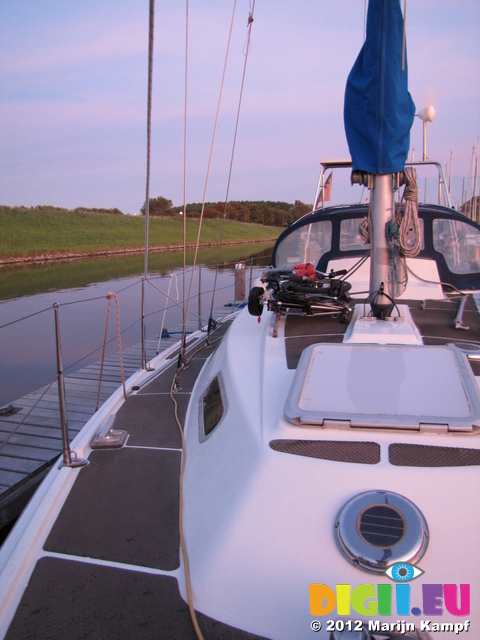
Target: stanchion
(200, 298)
(68, 460)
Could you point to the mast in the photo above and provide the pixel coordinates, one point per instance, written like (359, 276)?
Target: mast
(378, 115)
(383, 209)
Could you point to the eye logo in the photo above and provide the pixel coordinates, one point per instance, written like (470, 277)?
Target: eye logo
(403, 572)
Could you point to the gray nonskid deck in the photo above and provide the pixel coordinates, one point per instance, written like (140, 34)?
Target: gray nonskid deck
(31, 440)
(111, 560)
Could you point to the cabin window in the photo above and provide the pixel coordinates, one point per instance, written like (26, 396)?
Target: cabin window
(307, 243)
(459, 243)
(213, 406)
(350, 238)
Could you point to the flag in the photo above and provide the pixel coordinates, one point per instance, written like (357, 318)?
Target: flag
(325, 193)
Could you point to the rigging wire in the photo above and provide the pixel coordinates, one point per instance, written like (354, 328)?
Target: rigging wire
(31, 315)
(28, 412)
(355, 267)
(187, 304)
(181, 357)
(247, 50)
(149, 129)
(168, 297)
(184, 319)
(62, 304)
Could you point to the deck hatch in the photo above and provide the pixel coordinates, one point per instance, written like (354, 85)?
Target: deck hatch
(389, 386)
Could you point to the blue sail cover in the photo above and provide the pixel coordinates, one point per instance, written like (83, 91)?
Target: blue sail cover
(379, 110)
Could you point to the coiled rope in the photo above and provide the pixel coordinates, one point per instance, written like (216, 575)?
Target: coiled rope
(404, 235)
(410, 231)
(397, 275)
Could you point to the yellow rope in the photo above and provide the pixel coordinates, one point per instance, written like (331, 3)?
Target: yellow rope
(188, 584)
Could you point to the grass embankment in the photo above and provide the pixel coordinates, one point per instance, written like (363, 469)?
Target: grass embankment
(41, 234)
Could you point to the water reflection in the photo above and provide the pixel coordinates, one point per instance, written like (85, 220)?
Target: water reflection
(80, 288)
(53, 276)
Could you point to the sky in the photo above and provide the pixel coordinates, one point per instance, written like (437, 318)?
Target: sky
(73, 97)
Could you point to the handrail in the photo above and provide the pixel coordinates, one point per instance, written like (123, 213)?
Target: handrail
(443, 195)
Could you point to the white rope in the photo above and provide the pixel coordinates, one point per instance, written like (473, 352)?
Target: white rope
(208, 170)
(185, 316)
(246, 52)
(172, 276)
(111, 295)
(175, 302)
(365, 225)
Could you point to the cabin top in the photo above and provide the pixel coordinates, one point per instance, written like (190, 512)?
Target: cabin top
(450, 239)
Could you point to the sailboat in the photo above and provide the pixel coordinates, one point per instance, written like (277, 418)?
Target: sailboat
(330, 446)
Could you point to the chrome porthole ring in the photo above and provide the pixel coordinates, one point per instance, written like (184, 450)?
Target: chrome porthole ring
(378, 528)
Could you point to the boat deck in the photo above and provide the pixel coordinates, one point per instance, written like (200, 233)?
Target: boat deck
(109, 566)
(110, 563)
(435, 320)
(31, 435)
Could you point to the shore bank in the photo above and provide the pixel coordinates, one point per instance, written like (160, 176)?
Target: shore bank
(41, 236)
(66, 257)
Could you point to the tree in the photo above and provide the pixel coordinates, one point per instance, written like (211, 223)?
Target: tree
(300, 209)
(159, 207)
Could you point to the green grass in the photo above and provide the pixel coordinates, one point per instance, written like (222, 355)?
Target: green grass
(40, 232)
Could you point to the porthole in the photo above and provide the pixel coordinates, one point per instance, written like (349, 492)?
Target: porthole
(212, 407)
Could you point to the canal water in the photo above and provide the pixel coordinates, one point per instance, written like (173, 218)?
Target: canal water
(80, 288)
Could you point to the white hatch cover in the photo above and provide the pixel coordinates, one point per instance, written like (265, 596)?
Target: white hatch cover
(402, 386)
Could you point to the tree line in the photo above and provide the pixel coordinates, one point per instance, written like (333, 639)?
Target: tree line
(50, 207)
(276, 214)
